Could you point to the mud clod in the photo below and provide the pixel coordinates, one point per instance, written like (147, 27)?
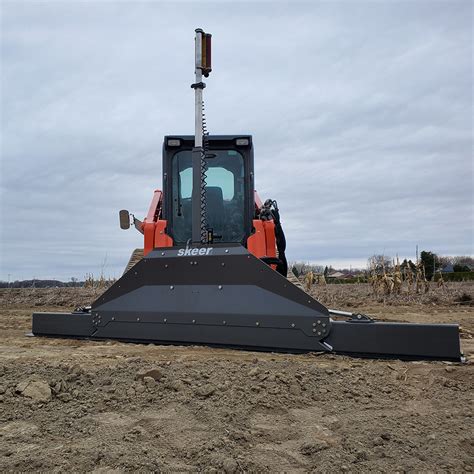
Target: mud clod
(155, 374)
(37, 390)
(308, 449)
(206, 390)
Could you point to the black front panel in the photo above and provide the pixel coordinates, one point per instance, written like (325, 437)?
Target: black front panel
(218, 294)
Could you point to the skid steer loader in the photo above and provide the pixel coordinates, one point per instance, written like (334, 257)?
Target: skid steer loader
(213, 268)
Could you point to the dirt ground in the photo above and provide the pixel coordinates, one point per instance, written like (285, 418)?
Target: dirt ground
(103, 406)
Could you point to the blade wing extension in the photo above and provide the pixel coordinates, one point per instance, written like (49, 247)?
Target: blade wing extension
(402, 340)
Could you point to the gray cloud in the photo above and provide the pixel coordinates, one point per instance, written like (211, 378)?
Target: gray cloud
(361, 115)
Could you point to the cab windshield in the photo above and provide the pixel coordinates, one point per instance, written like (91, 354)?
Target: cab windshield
(224, 195)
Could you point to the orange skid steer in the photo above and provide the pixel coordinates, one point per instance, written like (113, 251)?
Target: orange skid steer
(214, 267)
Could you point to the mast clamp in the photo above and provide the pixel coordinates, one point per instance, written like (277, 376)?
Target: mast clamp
(198, 85)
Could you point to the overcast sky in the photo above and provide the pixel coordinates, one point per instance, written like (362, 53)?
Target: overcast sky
(361, 114)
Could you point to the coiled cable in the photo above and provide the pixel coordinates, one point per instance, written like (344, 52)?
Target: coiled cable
(203, 203)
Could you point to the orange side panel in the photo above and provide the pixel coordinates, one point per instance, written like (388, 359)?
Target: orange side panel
(270, 240)
(155, 236)
(256, 243)
(155, 203)
(150, 221)
(161, 238)
(154, 228)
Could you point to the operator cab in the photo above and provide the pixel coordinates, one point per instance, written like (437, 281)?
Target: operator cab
(230, 205)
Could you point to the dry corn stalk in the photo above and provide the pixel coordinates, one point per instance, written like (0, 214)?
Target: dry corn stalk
(311, 278)
(397, 278)
(409, 277)
(100, 283)
(308, 280)
(422, 284)
(440, 280)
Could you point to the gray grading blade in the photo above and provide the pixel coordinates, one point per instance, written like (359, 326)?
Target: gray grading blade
(223, 295)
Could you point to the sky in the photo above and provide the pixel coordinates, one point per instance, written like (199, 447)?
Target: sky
(361, 113)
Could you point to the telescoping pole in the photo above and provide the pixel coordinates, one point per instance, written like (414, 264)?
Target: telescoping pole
(198, 89)
(198, 213)
(202, 68)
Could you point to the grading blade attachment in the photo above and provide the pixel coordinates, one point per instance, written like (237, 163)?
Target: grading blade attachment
(223, 295)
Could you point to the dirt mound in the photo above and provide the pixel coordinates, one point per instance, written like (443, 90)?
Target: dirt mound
(238, 412)
(38, 297)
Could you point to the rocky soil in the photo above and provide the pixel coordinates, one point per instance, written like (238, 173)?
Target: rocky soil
(103, 406)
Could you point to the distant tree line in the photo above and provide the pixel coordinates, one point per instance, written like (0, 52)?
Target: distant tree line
(431, 262)
(380, 264)
(36, 283)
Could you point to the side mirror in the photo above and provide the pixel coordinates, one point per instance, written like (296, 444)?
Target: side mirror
(124, 217)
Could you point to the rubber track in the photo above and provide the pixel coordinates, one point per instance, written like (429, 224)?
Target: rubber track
(136, 256)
